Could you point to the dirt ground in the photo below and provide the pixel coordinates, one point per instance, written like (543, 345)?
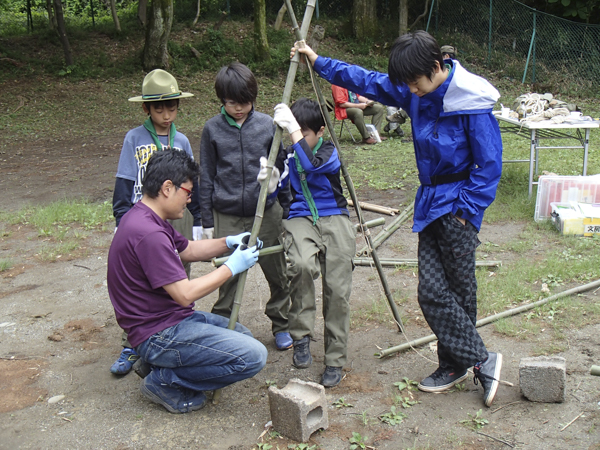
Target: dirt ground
(58, 337)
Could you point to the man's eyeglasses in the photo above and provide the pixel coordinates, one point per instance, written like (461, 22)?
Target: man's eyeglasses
(189, 193)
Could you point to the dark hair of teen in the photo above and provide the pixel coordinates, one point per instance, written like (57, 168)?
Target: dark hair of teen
(236, 82)
(308, 114)
(412, 56)
(174, 165)
(162, 104)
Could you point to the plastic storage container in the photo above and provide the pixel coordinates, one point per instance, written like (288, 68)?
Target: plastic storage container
(564, 189)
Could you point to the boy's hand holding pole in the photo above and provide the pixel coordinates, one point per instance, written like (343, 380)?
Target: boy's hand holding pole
(301, 47)
(207, 233)
(262, 175)
(286, 120)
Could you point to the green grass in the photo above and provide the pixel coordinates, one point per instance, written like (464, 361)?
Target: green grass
(54, 219)
(6, 264)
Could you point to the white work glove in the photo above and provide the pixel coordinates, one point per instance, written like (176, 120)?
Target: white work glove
(197, 233)
(241, 239)
(285, 119)
(262, 175)
(207, 233)
(242, 260)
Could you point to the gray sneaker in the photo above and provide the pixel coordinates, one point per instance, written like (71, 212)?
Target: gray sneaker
(302, 357)
(176, 401)
(442, 380)
(488, 374)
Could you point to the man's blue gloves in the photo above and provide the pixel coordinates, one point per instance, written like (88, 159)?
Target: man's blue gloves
(241, 239)
(242, 259)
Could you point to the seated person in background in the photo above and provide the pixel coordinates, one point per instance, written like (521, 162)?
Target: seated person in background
(188, 351)
(448, 52)
(355, 107)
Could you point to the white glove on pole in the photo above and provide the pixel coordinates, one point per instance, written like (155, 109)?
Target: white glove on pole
(197, 233)
(262, 175)
(285, 119)
(207, 233)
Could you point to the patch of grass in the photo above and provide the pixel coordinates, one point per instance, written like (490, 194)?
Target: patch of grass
(53, 220)
(341, 403)
(54, 252)
(6, 264)
(357, 441)
(406, 383)
(375, 312)
(475, 422)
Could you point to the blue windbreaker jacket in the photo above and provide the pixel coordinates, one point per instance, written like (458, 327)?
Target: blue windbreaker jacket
(453, 130)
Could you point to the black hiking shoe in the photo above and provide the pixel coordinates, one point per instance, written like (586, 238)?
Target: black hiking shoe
(442, 380)
(332, 376)
(302, 358)
(488, 374)
(142, 368)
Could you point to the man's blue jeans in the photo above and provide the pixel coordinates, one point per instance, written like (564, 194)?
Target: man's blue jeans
(201, 354)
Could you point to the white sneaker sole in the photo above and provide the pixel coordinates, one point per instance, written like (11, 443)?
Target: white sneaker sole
(494, 388)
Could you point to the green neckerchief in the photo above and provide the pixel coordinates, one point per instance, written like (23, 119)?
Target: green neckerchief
(305, 191)
(230, 120)
(148, 125)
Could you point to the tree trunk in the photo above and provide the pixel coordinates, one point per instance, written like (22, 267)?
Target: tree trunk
(29, 17)
(261, 44)
(197, 15)
(142, 12)
(316, 36)
(280, 16)
(113, 10)
(157, 35)
(62, 32)
(403, 22)
(364, 19)
(51, 16)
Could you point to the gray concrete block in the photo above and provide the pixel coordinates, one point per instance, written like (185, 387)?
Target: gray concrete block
(299, 409)
(543, 379)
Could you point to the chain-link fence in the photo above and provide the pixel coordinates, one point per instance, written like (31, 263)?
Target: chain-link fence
(526, 44)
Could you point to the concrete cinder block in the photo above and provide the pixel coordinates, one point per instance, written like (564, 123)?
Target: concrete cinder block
(543, 379)
(299, 409)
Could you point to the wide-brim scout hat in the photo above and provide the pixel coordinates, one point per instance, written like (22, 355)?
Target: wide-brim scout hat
(159, 86)
(447, 49)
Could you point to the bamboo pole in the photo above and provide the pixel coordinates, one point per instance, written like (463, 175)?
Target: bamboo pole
(494, 318)
(388, 230)
(392, 262)
(375, 208)
(347, 179)
(217, 262)
(260, 207)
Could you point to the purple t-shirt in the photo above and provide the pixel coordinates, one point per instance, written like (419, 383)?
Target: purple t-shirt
(143, 257)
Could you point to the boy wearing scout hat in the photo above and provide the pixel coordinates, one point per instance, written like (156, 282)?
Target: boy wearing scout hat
(160, 101)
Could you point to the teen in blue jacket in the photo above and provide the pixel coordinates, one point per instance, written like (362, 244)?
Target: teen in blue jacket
(459, 157)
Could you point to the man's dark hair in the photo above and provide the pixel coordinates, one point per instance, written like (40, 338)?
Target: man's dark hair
(412, 56)
(308, 114)
(236, 82)
(174, 165)
(162, 103)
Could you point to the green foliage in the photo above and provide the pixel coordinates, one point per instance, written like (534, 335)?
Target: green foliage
(6, 264)
(405, 402)
(357, 441)
(393, 418)
(303, 447)
(341, 403)
(406, 383)
(475, 422)
(264, 446)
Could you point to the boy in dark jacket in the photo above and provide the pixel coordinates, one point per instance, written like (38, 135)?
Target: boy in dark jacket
(319, 238)
(230, 150)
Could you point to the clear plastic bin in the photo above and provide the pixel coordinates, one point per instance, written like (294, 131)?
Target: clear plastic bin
(564, 189)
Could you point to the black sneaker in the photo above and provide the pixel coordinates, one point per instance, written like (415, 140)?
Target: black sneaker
(488, 374)
(442, 380)
(332, 376)
(302, 358)
(142, 368)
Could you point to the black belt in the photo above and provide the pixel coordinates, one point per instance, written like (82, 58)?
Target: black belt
(434, 180)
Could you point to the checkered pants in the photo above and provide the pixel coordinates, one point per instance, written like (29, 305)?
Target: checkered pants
(448, 290)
